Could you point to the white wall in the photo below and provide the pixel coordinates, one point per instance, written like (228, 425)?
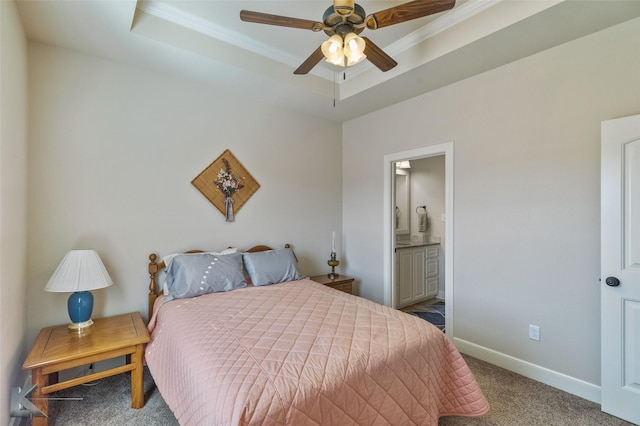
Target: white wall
(427, 189)
(13, 225)
(113, 150)
(526, 201)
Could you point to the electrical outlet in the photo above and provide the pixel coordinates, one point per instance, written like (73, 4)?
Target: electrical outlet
(534, 332)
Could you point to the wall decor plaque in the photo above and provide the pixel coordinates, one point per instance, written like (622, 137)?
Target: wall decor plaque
(226, 184)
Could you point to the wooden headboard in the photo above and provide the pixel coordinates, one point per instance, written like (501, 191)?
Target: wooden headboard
(155, 267)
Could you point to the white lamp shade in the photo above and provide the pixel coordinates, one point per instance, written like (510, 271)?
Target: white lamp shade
(80, 270)
(332, 50)
(354, 49)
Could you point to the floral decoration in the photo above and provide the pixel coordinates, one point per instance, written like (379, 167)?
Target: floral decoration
(226, 182)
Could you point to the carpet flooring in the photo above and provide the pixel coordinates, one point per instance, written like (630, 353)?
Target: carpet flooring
(515, 401)
(108, 403)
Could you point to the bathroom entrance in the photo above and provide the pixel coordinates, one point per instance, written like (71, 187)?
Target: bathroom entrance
(418, 230)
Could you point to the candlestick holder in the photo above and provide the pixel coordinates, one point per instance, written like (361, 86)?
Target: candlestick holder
(333, 262)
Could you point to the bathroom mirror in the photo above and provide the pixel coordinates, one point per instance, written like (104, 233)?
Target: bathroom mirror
(403, 192)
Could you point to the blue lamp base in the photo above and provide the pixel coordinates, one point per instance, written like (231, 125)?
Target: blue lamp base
(80, 305)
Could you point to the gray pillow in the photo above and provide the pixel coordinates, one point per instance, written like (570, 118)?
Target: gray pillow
(168, 258)
(272, 266)
(192, 275)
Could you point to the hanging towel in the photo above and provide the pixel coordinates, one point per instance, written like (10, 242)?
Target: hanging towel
(423, 222)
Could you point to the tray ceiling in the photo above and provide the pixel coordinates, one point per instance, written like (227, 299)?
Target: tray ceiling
(206, 40)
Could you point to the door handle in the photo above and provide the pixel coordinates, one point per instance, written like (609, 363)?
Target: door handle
(612, 282)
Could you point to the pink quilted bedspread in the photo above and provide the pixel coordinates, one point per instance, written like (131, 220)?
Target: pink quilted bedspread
(300, 353)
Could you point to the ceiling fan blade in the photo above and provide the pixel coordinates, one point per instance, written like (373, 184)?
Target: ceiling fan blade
(377, 57)
(282, 21)
(406, 12)
(310, 62)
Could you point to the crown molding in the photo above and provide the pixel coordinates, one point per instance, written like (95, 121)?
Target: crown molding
(441, 23)
(193, 22)
(169, 13)
(433, 28)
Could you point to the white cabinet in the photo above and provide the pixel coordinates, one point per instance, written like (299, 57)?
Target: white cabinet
(433, 270)
(417, 274)
(410, 281)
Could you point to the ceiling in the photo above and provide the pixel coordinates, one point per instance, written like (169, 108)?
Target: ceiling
(206, 41)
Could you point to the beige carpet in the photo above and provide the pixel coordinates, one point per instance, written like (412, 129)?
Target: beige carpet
(514, 399)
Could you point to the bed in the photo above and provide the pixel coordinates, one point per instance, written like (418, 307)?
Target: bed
(293, 352)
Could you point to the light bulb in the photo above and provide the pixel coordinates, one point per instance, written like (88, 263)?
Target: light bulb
(354, 49)
(333, 51)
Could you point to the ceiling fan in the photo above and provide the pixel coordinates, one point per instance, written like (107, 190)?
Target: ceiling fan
(343, 22)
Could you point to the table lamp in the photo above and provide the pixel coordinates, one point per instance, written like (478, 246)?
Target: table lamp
(79, 272)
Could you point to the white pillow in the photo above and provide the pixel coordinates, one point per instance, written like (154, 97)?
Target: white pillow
(168, 257)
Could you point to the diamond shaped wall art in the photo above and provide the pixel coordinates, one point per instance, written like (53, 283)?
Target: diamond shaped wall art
(226, 184)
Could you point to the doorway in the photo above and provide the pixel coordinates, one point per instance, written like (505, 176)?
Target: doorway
(389, 217)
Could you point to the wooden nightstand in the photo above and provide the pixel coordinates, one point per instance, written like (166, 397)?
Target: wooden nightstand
(59, 348)
(341, 282)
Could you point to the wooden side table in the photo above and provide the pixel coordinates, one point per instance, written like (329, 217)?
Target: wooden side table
(341, 282)
(59, 348)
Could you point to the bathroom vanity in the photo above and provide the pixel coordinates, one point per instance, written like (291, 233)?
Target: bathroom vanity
(417, 272)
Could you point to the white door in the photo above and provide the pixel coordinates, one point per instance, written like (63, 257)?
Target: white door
(620, 268)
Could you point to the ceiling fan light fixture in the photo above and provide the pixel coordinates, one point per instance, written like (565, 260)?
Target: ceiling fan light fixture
(344, 17)
(332, 50)
(354, 49)
(343, 7)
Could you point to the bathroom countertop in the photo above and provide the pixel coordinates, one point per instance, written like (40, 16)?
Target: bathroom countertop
(412, 244)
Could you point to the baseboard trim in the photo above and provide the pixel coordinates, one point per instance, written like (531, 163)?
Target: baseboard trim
(19, 421)
(544, 375)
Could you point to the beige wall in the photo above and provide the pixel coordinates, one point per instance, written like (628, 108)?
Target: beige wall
(13, 175)
(113, 150)
(526, 195)
(427, 189)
